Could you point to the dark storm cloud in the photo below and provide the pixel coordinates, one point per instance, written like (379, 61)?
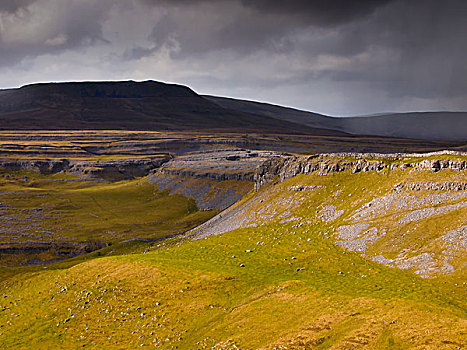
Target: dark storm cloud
(247, 25)
(425, 45)
(399, 51)
(61, 26)
(317, 12)
(12, 6)
(252, 24)
(242, 34)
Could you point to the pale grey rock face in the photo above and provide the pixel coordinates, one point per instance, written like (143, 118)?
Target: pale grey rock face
(205, 193)
(108, 169)
(289, 166)
(349, 232)
(436, 186)
(231, 164)
(357, 237)
(456, 238)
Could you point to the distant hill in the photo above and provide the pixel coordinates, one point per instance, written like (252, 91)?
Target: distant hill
(128, 105)
(157, 106)
(441, 126)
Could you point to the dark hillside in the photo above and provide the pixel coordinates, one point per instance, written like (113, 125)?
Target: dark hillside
(434, 126)
(128, 105)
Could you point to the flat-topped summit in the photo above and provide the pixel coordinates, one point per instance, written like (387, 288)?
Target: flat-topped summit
(110, 89)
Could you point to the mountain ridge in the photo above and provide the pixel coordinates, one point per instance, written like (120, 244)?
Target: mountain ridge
(129, 105)
(436, 126)
(158, 106)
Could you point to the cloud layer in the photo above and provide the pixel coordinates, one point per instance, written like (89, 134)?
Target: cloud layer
(336, 57)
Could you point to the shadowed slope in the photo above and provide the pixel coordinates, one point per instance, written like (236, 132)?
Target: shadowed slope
(127, 105)
(447, 126)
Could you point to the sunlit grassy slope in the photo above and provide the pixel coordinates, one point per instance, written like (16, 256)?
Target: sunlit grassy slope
(65, 209)
(276, 285)
(101, 211)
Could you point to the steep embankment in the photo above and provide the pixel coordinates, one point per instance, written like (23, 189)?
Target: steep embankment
(447, 126)
(112, 169)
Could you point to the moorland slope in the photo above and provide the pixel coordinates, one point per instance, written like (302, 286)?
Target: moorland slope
(446, 126)
(128, 105)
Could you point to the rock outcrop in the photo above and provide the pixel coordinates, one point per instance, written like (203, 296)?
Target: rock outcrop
(215, 179)
(107, 169)
(219, 164)
(283, 167)
(434, 186)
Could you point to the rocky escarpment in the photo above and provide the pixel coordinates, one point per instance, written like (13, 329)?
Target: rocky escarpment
(219, 165)
(117, 169)
(215, 179)
(230, 163)
(284, 167)
(434, 186)
(407, 213)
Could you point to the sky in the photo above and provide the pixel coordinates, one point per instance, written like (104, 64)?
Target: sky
(336, 57)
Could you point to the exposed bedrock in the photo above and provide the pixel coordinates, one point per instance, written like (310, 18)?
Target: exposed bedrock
(109, 169)
(284, 167)
(118, 169)
(218, 165)
(208, 194)
(215, 179)
(230, 164)
(44, 166)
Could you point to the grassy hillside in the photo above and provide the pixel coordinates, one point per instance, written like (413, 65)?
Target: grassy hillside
(280, 280)
(63, 208)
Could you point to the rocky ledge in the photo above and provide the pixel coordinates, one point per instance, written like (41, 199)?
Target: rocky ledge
(219, 165)
(117, 169)
(282, 167)
(215, 179)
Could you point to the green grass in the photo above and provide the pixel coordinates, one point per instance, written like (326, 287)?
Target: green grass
(101, 211)
(296, 290)
(201, 295)
(61, 208)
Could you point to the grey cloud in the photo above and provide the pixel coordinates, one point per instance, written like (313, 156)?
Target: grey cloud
(315, 12)
(138, 52)
(72, 25)
(12, 6)
(397, 52)
(408, 49)
(319, 12)
(244, 33)
(250, 25)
